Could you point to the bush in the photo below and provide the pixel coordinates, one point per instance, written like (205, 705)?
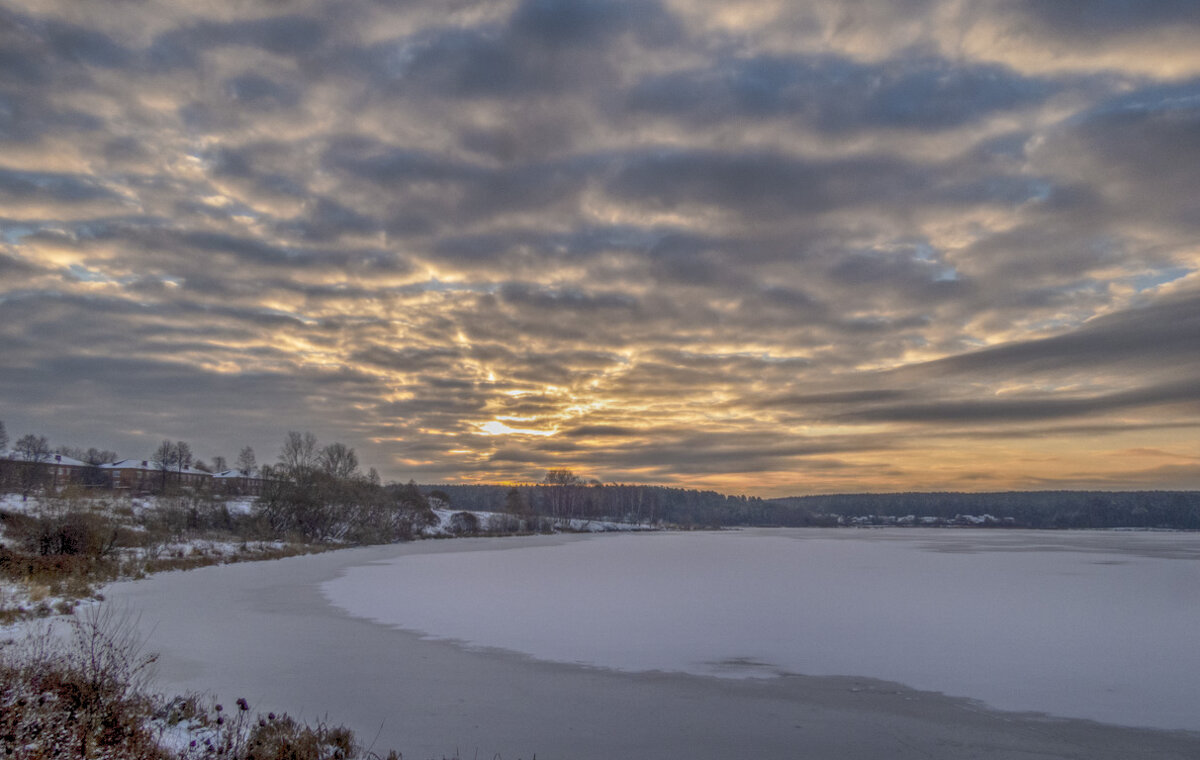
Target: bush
(464, 523)
(82, 700)
(87, 698)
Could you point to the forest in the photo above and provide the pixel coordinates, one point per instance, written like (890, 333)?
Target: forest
(560, 496)
(1178, 510)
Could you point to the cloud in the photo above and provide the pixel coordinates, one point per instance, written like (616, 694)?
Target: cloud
(1150, 338)
(768, 248)
(26, 186)
(836, 94)
(287, 35)
(1106, 18)
(1026, 409)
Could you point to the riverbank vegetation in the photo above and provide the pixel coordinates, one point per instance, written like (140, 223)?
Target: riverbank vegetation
(88, 695)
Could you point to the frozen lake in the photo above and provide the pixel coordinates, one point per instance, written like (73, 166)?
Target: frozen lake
(1096, 625)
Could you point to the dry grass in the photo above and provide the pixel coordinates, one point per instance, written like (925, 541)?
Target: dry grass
(81, 700)
(87, 697)
(70, 547)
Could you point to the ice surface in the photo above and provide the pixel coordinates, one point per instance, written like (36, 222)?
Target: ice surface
(1083, 624)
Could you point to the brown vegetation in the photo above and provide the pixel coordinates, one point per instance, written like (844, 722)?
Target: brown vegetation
(87, 698)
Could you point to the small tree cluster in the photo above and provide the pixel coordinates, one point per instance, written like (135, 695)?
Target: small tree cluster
(318, 493)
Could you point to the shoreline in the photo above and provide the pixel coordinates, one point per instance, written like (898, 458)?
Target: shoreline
(265, 631)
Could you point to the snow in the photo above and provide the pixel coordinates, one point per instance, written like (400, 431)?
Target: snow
(128, 511)
(241, 505)
(1094, 625)
(129, 464)
(496, 522)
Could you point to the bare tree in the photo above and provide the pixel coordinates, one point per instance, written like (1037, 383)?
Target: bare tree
(94, 457)
(339, 461)
(164, 458)
(33, 451)
(219, 464)
(97, 457)
(560, 478)
(298, 457)
(562, 492)
(3, 437)
(246, 462)
(183, 456)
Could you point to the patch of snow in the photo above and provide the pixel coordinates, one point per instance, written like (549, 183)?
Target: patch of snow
(241, 505)
(498, 522)
(12, 502)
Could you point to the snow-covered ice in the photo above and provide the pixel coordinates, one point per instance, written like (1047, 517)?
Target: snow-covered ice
(1094, 625)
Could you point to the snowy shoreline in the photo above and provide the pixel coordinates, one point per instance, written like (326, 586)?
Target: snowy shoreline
(265, 631)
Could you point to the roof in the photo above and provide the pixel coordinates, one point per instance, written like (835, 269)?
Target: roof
(129, 464)
(149, 466)
(50, 458)
(64, 459)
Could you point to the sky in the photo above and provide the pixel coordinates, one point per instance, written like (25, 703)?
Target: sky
(770, 247)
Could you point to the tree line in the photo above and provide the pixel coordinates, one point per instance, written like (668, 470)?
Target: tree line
(320, 493)
(562, 496)
(1178, 510)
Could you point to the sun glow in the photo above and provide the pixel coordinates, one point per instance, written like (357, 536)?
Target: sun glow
(496, 427)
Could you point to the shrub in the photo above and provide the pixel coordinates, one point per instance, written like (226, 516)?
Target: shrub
(81, 700)
(87, 698)
(463, 523)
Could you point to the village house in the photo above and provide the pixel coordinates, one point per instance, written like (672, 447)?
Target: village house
(55, 471)
(236, 483)
(143, 476)
(137, 476)
(63, 470)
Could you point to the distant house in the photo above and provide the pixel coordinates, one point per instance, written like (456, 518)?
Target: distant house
(142, 476)
(64, 470)
(236, 483)
(190, 477)
(133, 475)
(54, 472)
(138, 476)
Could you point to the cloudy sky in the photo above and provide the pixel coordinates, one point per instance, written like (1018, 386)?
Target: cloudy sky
(770, 247)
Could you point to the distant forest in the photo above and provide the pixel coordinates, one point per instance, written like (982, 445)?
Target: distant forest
(686, 507)
(1024, 509)
(630, 503)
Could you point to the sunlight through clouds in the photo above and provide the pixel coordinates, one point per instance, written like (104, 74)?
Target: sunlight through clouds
(765, 247)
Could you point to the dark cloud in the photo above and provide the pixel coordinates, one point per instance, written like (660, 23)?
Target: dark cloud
(564, 300)
(570, 23)
(1026, 409)
(291, 35)
(832, 398)
(922, 279)
(1158, 335)
(12, 267)
(1089, 19)
(1135, 150)
(407, 359)
(85, 46)
(255, 91)
(836, 94)
(50, 186)
(600, 431)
